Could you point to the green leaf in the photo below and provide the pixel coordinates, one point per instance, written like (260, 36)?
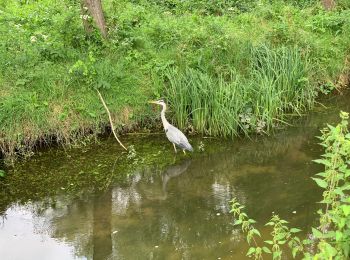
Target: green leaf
(2, 173)
(346, 209)
(266, 250)
(268, 242)
(276, 255)
(255, 231)
(251, 221)
(338, 235)
(322, 174)
(317, 233)
(320, 182)
(280, 236)
(307, 242)
(251, 251)
(294, 251)
(62, 116)
(347, 173)
(295, 230)
(329, 250)
(339, 192)
(323, 161)
(92, 114)
(296, 239)
(21, 82)
(329, 234)
(237, 222)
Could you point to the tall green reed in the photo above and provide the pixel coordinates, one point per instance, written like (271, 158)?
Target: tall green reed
(281, 82)
(277, 85)
(210, 105)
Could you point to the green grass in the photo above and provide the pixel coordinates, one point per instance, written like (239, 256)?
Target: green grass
(226, 68)
(222, 106)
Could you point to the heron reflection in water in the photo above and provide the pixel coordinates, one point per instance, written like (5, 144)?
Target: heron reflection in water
(172, 172)
(154, 186)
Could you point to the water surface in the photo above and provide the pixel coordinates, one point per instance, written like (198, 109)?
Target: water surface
(97, 203)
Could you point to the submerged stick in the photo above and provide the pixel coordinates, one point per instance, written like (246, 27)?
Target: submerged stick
(110, 119)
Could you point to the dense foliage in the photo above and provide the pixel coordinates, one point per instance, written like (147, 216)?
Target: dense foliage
(225, 66)
(331, 239)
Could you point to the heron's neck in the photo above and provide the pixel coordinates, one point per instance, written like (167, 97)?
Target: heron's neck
(162, 116)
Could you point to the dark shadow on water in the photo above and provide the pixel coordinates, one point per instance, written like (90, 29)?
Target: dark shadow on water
(102, 230)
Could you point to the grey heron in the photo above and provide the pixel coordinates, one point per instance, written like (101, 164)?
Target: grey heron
(174, 135)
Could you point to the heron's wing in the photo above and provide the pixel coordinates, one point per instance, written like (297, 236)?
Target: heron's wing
(177, 137)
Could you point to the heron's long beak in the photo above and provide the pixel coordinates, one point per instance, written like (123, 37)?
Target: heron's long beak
(153, 102)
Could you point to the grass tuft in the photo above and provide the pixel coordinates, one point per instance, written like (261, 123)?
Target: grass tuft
(226, 106)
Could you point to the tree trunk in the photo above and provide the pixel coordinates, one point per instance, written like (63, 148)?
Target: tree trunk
(328, 4)
(93, 8)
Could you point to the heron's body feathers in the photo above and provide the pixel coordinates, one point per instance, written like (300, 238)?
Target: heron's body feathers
(175, 136)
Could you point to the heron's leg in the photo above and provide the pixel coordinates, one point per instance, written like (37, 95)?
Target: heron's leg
(174, 148)
(184, 152)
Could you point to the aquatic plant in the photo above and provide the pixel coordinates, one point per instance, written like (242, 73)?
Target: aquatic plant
(131, 155)
(281, 234)
(331, 239)
(201, 146)
(277, 84)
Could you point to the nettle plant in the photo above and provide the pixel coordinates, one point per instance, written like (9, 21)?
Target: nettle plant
(85, 71)
(331, 239)
(91, 73)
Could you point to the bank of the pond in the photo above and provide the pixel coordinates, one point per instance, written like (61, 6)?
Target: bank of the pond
(165, 205)
(225, 69)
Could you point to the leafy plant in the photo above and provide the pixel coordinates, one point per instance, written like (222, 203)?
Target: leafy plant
(327, 88)
(85, 71)
(201, 146)
(333, 234)
(280, 234)
(331, 239)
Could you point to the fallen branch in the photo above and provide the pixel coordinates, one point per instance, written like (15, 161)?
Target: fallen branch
(110, 119)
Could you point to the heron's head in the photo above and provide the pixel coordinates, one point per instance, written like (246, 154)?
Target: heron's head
(158, 102)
